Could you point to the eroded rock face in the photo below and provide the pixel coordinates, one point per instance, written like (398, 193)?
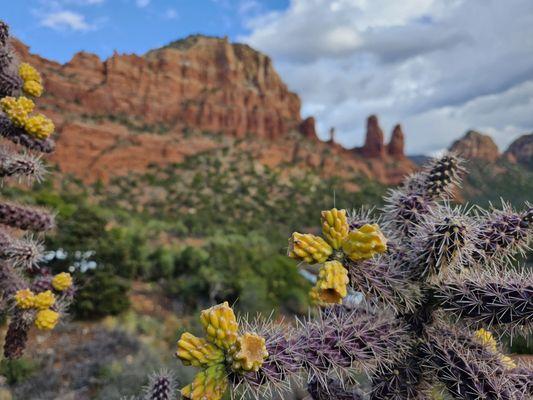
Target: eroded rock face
(127, 112)
(395, 148)
(521, 151)
(307, 128)
(375, 142)
(199, 83)
(475, 145)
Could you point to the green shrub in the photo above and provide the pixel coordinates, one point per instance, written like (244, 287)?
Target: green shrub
(16, 371)
(101, 293)
(248, 268)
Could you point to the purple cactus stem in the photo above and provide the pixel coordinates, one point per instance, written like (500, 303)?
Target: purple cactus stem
(25, 218)
(20, 165)
(486, 299)
(17, 335)
(160, 387)
(333, 390)
(19, 136)
(465, 372)
(503, 233)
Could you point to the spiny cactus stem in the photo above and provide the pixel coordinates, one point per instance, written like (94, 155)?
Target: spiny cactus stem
(19, 136)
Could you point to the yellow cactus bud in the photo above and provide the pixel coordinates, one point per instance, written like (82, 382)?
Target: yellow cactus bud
(62, 281)
(507, 362)
(44, 300)
(29, 73)
(485, 337)
(220, 325)
(334, 227)
(210, 384)
(309, 248)
(24, 298)
(17, 109)
(364, 243)
(46, 319)
(198, 352)
(39, 126)
(33, 88)
(249, 352)
(331, 285)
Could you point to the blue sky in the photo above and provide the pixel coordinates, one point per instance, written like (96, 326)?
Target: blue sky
(439, 67)
(57, 29)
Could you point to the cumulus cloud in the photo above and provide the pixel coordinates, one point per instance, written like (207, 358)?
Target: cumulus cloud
(66, 20)
(438, 66)
(142, 3)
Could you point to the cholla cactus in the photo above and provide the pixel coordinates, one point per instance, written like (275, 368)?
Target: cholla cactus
(30, 298)
(341, 248)
(224, 354)
(436, 288)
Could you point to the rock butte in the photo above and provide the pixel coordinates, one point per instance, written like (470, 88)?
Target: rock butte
(475, 145)
(123, 114)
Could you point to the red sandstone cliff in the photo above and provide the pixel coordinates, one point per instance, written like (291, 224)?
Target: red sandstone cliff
(475, 145)
(521, 151)
(395, 148)
(127, 112)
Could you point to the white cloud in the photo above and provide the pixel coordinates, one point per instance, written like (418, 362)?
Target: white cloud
(61, 20)
(142, 3)
(438, 66)
(171, 13)
(248, 7)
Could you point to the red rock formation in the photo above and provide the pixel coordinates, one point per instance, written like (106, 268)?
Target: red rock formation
(374, 143)
(120, 115)
(331, 135)
(307, 128)
(521, 150)
(207, 84)
(474, 145)
(395, 148)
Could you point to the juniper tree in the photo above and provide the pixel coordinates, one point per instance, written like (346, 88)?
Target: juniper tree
(29, 297)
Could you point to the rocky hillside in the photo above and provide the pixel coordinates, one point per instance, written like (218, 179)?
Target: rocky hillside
(475, 145)
(129, 112)
(493, 175)
(478, 146)
(521, 151)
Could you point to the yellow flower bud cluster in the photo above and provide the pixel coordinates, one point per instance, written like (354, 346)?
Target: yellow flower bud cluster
(220, 325)
(32, 80)
(46, 318)
(334, 227)
(223, 349)
(39, 126)
(249, 352)
(62, 281)
(24, 299)
(331, 285)
(487, 339)
(339, 243)
(209, 384)
(18, 111)
(309, 248)
(364, 243)
(198, 352)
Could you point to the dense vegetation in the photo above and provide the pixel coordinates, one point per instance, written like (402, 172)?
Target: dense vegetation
(209, 229)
